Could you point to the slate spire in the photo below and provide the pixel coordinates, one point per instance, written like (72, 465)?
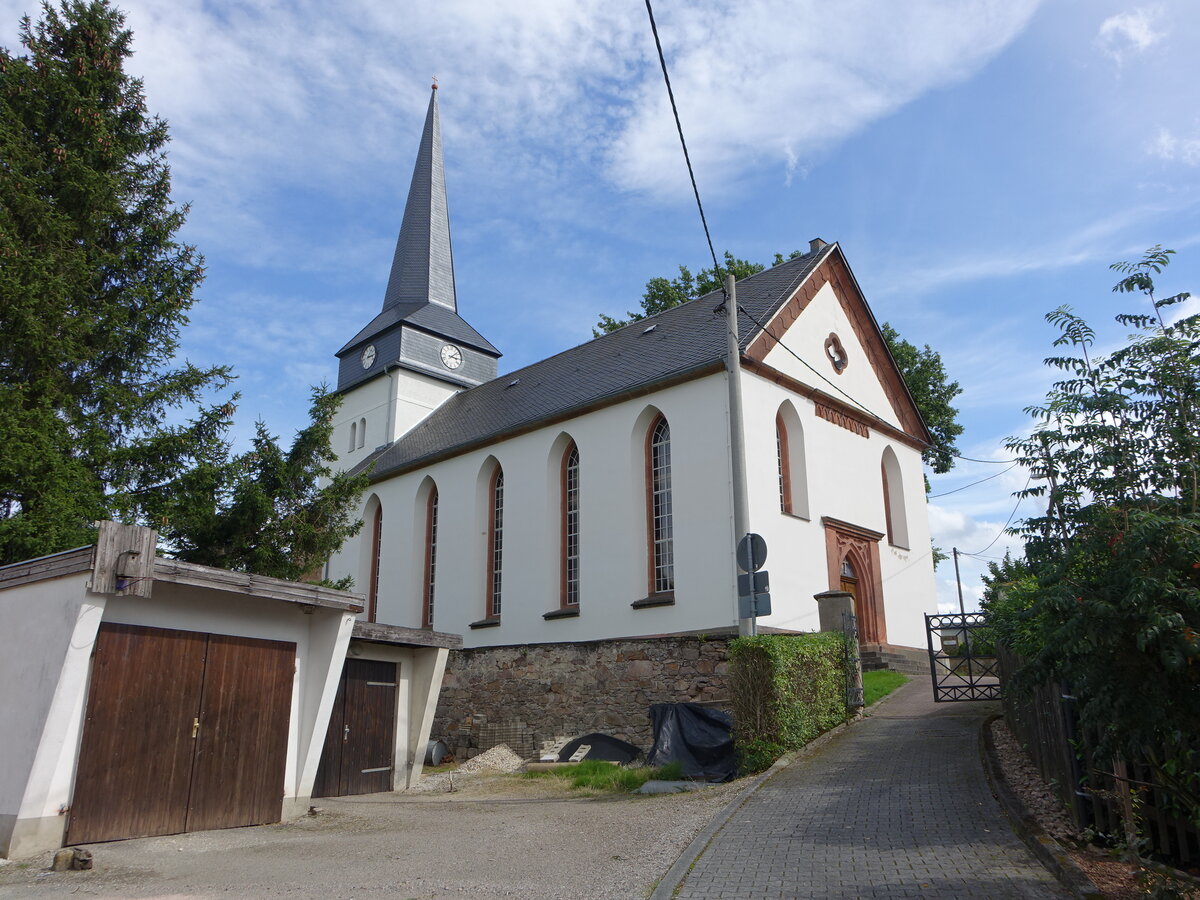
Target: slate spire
(423, 267)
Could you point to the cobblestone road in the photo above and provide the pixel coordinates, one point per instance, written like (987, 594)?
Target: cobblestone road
(896, 806)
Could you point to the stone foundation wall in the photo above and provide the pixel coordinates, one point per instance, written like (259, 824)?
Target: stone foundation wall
(524, 695)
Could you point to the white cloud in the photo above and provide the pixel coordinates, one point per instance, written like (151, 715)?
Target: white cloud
(1129, 33)
(763, 83)
(1095, 242)
(268, 99)
(1176, 149)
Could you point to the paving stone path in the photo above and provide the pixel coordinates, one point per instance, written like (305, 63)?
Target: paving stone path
(895, 806)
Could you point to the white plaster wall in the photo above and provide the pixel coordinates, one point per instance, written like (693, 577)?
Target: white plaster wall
(613, 524)
(844, 482)
(806, 337)
(392, 404)
(47, 629)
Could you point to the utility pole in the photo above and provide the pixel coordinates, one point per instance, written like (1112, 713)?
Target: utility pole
(958, 578)
(737, 442)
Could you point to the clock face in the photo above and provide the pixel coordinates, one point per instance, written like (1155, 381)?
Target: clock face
(451, 357)
(368, 356)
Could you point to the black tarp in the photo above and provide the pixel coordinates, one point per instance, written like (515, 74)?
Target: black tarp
(604, 746)
(698, 737)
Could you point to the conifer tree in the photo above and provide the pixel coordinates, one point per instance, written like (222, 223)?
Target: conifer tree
(94, 288)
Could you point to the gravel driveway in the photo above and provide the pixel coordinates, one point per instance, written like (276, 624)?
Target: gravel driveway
(498, 836)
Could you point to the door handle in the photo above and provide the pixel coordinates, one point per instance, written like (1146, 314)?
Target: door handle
(345, 734)
(195, 727)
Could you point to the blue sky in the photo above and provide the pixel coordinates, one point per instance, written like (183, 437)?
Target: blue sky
(981, 162)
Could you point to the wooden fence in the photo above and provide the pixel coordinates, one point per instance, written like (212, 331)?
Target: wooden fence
(1096, 793)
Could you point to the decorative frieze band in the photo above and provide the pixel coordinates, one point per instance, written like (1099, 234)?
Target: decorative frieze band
(829, 414)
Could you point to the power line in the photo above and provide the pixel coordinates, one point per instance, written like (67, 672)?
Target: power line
(994, 462)
(779, 341)
(687, 158)
(973, 483)
(811, 368)
(1020, 500)
(662, 60)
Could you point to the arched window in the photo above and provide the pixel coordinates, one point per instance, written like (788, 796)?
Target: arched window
(793, 475)
(660, 524)
(362, 431)
(570, 527)
(431, 525)
(785, 468)
(376, 550)
(495, 554)
(893, 499)
(353, 435)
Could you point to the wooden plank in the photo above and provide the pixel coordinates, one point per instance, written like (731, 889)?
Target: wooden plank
(368, 750)
(124, 559)
(135, 759)
(241, 751)
(175, 571)
(403, 636)
(329, 769)
(56, 565)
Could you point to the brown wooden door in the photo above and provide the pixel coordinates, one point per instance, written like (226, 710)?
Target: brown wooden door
(184, 731)
(359, 753)
(135, 756)
(241, 748)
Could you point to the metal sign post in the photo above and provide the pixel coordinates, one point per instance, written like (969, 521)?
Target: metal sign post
(754, 597)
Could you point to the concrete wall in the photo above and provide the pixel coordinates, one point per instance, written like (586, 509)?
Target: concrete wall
(47, 630)
(524, 695)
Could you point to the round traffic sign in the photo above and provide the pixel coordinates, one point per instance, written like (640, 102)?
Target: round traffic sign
(751, 553)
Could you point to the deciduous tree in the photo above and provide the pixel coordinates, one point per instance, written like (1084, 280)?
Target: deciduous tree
(922, 369)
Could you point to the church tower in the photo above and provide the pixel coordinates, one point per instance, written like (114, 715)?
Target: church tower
(418, 351)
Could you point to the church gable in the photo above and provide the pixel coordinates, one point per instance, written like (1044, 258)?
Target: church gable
(838, 335)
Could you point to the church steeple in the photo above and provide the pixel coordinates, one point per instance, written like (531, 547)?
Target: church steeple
(419, 329)
(423, 266)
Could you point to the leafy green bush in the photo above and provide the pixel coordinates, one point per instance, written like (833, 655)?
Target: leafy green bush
(1108, 595)
(786, 689)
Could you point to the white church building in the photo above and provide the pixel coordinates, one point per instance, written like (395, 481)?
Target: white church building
(590, 496)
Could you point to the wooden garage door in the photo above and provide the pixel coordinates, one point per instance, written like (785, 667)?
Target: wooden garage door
(184, 731)
(359, 753)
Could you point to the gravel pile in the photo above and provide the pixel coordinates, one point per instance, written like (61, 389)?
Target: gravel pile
(500, 759)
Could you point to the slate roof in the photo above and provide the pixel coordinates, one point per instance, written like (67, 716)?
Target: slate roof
(670, 345)
(423, 266)
(431, 317)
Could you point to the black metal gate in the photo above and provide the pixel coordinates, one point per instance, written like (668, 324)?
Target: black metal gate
(962, 657)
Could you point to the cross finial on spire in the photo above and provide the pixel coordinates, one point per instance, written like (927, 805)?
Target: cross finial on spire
(435, 82)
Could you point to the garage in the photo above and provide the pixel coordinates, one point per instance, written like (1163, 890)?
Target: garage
(211, 713)
(149, 696)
